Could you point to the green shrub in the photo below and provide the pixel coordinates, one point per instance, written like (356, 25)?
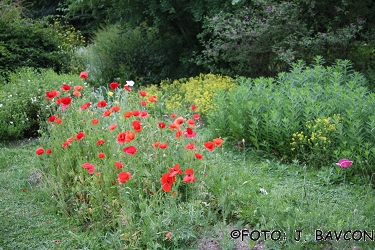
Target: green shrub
(264, 39)
(315, 115)
(23, 102)
(34, 43)
(121, 53)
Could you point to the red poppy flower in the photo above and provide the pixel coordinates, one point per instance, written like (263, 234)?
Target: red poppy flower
(39, 151)
(143, 103)
(172, 126)
(131, 150)
(65, 100)
(94, 121)
(119, 165)
(172, 115)
(129, 136)
(135, 112)
(112, 127)
(113, 85)
(199, 156)
(175, 170)
(51, 94)
(77, 93)
(123, 177)
(161, 125)
(156, 144)
(65, 144)
(100, 142)
(218, 142)
(209, 145)
(121, 137)
(178, 121)
(178, 134)
(52, 118)
(83, 75)
(70, 139)
(193, 107)
(137, 126)
(153, 98)
(189, 133)
(191, 123)
(49, 151)
(101, 155)
(142, 93)
(102, 104)
(80, 135)
(78, 88)
(167, 181)
(85, 106)
(127, 88)
(190, 146)
(115, 109)
(90, 168)
(189, 176)
(196, 116)
(58, 120)
(65, 87)
(143, 114)
(163, 145)
(107, 113)
(128, 114)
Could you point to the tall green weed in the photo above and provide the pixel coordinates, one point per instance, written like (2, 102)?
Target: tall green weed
(315, 115)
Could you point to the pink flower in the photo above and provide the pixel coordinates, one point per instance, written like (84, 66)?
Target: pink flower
(344, 163)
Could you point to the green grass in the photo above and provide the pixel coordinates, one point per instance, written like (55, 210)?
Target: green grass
(299, 198)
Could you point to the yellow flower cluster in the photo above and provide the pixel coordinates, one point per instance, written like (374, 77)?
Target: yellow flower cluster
(195, 90)
(319, 133)
(70, 37)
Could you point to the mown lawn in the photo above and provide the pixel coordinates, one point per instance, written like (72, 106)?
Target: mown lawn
(298, 199)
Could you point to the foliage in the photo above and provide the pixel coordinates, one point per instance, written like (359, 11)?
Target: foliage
(126, 53)
(23, 104)
(266, 39)
(158, 38)
(198, 91)
(33, 43)
(315, 107)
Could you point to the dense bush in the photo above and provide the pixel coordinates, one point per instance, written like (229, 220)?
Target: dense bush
(34, 43)
(23, 101)
(132, 53)
(315, 115)
(198, 91)
(267, 38)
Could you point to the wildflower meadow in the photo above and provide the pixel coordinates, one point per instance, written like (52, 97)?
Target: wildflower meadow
(115, 152)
